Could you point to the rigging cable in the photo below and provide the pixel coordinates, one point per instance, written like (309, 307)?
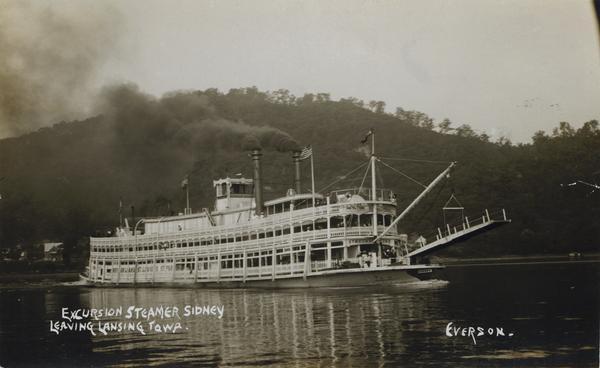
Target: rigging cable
(364, 177)
(403, 174)
(415, 160)
(342, 177)
(380, 178)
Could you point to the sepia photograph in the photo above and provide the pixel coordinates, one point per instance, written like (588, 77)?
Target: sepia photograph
(299, 183)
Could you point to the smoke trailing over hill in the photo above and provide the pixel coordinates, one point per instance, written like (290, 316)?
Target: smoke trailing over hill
(183, 120)
(65, 182)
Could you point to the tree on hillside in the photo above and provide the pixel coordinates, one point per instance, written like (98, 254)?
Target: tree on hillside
(444, 126)
(589, 128)
(282, 96)
(415, 118)
(465, 130)
(484, 137)
(377, 107)
(323, 97)
(353, 101)
(308, 98)
(564, 130)
(503, 141)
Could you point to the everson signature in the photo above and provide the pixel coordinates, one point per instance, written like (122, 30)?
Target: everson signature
(475, 331)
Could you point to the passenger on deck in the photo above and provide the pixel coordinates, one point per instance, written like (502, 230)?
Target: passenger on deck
(365, 260)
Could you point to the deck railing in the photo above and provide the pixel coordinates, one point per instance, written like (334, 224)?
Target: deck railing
(120, 247)
(385, 195)
(296, 218)
(468, 222)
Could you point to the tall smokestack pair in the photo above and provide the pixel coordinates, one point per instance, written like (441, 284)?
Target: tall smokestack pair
(258, 187)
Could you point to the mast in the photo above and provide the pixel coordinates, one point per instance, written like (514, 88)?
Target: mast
(373, 182)
(120, 213)
(187, 199)
(312, 179)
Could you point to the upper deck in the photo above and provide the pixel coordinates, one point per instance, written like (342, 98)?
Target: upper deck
(350, 214)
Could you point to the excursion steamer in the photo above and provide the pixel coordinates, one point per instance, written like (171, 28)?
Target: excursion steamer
(346, 238)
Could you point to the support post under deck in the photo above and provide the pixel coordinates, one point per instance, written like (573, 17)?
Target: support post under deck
(306, 260)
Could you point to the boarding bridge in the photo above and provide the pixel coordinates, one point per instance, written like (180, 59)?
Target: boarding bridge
(451, 234)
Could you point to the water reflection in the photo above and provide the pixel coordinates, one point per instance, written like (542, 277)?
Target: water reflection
(552, 309)
(345, 327)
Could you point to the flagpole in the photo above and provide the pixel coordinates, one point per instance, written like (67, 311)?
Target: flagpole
(314, 209)
(120, 213)
(312, 177)
(373, 183)
(187, 195)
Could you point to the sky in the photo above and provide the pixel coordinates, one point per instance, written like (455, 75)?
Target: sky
(507, 68)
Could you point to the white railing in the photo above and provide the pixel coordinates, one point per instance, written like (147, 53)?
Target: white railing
(298, 217)
(196, 272)
(249, 245)
(385, 195)
(467, 223)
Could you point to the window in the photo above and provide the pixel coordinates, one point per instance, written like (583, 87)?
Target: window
(387, 220)
(222, 190)
(240, 189)
(337, 221)
(365, 220)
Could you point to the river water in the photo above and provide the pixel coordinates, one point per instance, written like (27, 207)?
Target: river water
(547, 315)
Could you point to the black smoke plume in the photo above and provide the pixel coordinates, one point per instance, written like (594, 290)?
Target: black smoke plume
(184, 120)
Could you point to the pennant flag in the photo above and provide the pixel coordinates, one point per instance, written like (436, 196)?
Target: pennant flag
(306, 152)
(184, 182)
(364, 140)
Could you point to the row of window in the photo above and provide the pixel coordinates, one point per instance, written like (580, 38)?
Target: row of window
(264, 258)
(336, 222)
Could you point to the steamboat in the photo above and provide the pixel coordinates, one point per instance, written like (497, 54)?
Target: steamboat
(343, 238)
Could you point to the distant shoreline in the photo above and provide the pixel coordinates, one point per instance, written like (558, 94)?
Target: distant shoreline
(67, 276)
(506, 260)
(521, 263)
(28, 277)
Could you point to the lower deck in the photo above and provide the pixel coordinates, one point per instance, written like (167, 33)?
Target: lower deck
(354, 277)
(263, 264)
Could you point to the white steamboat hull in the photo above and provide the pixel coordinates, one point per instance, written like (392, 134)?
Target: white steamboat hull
(356, 277)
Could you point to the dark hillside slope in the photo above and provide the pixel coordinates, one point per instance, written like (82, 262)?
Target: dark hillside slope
(65, 182)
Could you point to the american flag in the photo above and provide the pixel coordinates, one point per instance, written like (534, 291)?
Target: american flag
(306, 152)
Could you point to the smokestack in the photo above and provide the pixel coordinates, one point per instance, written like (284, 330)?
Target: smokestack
(258, 189)
(297, 184)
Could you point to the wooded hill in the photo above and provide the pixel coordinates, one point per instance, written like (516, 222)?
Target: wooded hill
(65, 182)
